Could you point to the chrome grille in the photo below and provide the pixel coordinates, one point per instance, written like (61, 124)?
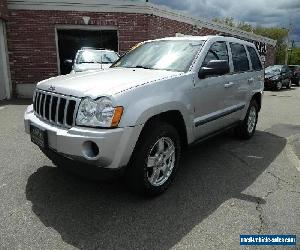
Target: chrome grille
(56, 108)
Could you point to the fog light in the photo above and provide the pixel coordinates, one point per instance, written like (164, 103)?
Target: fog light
(90, 149)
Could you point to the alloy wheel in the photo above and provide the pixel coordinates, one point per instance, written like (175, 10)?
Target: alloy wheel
(161, 161)
(251, 119)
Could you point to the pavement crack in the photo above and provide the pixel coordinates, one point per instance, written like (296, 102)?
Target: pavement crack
(260, 216)
(279, 179)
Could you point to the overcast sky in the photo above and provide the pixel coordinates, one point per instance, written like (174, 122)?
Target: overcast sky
(262, 12)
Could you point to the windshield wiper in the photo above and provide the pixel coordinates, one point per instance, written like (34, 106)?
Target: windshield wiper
(141, 67)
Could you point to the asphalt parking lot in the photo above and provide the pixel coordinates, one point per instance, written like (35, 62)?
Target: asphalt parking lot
(225, 187)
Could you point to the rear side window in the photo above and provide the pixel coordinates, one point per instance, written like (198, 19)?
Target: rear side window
(218, 51)
(239, 57)
(256, 64)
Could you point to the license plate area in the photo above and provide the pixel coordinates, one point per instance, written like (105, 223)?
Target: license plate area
(39, 136)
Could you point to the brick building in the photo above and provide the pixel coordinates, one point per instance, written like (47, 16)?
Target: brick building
(38, 35)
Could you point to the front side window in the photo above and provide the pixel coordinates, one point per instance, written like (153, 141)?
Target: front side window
(256, 64)
(218, 51)
(172, 55)
(239, 57)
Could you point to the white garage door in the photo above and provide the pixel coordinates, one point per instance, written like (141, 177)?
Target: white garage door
(4, 79)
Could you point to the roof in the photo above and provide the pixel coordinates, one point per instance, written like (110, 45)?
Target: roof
(205, 38)
(134, 7)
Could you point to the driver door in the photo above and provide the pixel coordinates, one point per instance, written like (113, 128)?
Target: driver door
(212, 95)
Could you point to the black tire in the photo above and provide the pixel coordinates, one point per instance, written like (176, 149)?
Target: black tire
(278, 86)
(289, 85)
(137, 172)
(242, 130)
(298, 83)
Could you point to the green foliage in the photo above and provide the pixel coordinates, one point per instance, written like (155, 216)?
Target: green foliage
(226, 20)
(277, 33)
(294, 58)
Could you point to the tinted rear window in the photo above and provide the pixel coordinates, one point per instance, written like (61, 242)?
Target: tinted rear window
(256, 64)
(239, 57)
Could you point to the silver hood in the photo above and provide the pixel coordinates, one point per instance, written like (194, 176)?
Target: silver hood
(106, 82)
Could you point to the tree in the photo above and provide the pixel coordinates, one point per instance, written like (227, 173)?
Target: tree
(277, 33)
(280, 35)
(295, 56)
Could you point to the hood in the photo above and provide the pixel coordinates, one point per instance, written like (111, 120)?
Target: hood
(90, 66)
(106, 82)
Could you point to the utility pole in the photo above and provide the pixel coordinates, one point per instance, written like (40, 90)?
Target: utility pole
(291, 51)
(288, 42)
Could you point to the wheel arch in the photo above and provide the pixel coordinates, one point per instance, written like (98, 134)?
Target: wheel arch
(258, 98)
(174, 118)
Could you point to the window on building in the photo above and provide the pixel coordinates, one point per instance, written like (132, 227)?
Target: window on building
(239, 57)
(256, 64)
(218, 51)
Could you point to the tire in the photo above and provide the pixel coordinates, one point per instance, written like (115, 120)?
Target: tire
(278, 86)
(298, 83)
(289, 85)
(247, 128)
(150, 172)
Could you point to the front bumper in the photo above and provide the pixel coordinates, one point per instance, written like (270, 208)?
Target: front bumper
(270, 83)
(115, 145)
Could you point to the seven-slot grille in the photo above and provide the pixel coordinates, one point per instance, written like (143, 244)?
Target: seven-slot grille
(55, 108)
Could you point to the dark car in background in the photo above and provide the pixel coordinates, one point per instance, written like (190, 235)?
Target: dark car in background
(295, 69)
(278, 76)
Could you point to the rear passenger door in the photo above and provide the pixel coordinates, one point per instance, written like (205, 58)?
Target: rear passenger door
(256, 74)
(242, 78)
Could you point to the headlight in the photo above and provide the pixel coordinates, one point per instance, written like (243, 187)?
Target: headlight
(98, 113)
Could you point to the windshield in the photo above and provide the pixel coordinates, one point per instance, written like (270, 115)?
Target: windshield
(162, 55)
(96, 56)
(276, 69)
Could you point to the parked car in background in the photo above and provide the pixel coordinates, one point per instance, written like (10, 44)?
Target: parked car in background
(295, 69)
(159, 98)
(278, 76)
(89, 59)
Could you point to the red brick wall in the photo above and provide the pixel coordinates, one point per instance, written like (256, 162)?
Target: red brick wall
(32, 45)
(3, 9)
(271, 55)
(162, 27)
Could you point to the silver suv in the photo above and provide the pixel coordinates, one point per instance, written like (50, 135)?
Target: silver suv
(160, 97)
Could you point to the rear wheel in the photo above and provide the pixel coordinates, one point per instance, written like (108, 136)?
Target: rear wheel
(247, 127)
(289, 85)
(155, 159)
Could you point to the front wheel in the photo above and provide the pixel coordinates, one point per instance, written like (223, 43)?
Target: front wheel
(247, 127)
(155, 159)
(278, 86)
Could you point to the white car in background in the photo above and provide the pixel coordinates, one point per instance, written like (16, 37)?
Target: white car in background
(89, 59)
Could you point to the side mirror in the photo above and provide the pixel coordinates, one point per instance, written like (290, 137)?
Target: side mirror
(214, 68)
(68, 61)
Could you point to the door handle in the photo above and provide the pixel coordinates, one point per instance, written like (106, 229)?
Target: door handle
(228, 85)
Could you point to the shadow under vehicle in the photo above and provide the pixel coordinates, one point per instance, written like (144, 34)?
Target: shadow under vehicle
(104, 215)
